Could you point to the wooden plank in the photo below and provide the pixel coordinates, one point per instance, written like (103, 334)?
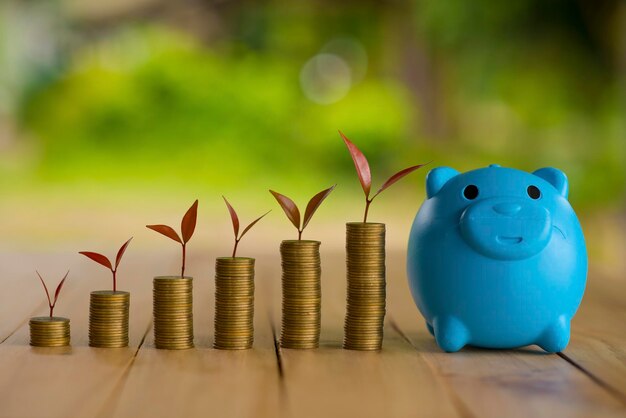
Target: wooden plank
(331, 381)
(411, 376)
(204, 381)
(598, 343)
(24, 295)
(494, 383)
(74, 381)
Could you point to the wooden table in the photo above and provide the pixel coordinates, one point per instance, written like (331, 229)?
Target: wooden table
(409, 377)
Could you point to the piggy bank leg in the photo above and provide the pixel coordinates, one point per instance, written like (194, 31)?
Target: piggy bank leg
(555, 338)
(450, 333)
(430, 329)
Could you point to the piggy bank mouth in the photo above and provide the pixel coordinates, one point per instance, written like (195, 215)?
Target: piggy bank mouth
(506, 235)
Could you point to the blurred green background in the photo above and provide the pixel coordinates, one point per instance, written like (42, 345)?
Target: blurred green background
(115, 114)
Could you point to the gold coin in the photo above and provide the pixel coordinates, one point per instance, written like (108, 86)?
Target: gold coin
(301, 294)
(173, 312)
(234, 303)
(108, 318)
(366, 286)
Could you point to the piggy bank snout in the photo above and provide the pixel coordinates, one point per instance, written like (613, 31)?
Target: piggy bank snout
(507, 208)
(506, 228)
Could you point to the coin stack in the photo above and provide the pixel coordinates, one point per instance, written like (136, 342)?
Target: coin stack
(234, 303)
(302, 294)
(173, 312)
(47, 331)
(365, 248)
(108, 318)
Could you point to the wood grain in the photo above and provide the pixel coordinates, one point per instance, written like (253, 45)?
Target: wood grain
(598, 344)
(203, 381)
(495, 383)
(409, 377)
(23, 295)
(331, 381)
(67, 381)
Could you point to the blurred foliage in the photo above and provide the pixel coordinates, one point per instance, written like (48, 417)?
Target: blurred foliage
(170, 109)
(540, 84)
(521, 83)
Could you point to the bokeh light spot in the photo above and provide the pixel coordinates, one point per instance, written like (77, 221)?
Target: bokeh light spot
(325, 78)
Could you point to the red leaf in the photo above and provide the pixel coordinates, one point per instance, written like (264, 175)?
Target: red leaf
(233, 217)
(315, 203)
(397, 177)
(188, 225)
(247, 228)
(59, 287)
(290, 208)
(361, 165)
(165, 230)
(98, 258)
(121, 252)
(45, 288)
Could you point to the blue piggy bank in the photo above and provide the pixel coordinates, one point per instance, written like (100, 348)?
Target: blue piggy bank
(497, 258)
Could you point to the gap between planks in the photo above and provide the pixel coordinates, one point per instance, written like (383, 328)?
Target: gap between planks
(121, 382)
(24, 322)
(457, 402)
(279, 358)
(604, 400)
(596, 379)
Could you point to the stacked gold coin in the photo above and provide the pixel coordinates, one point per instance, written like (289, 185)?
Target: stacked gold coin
(108, 318)
(46, 331)
(302, 294)
(173, 312)
(365, 248)
(234, 303)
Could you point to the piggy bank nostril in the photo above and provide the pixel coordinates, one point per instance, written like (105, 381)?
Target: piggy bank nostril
(507, 208)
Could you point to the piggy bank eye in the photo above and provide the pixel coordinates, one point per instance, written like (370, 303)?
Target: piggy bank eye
(533, 192)
(470, 192)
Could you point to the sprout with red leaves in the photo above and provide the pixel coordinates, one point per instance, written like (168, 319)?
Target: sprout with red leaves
(104, 261)
(292, 212)
(51, 303)
(365, 176)
(235, 219)
(187, 227)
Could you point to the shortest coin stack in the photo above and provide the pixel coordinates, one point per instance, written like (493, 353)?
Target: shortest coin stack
(46, 331)
(302, 294)
(365, 248)
(173, 312)
(234, 303)
(108, 318)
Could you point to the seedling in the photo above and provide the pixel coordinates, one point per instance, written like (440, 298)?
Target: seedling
(365, 176)
(51, 303)
(187, 227)
(292, 212)
(104, 261)
(235, 219)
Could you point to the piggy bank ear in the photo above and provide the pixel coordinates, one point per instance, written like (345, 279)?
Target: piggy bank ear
(437, 178)
(555, 177)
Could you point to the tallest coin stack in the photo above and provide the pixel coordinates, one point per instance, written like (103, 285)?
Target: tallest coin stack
(365, 249)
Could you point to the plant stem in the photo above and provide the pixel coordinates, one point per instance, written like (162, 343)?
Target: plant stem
(114, 280)
(182, 273)
(367, 208)
(51, 310)
(235, 249)
(299, 235)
